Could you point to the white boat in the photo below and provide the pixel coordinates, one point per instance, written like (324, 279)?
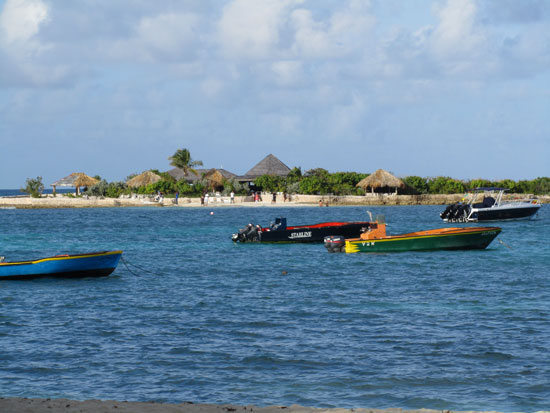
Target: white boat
(486, 204)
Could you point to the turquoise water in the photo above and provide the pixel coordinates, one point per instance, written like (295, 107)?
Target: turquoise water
(18, 192)
(205, 320)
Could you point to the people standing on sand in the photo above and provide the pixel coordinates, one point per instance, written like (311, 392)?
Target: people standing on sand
(256, 197)
(206, 197)
(202, 200)
(177, 196)
(274, 197)
(284, 196)
(320, 202)
(232, 197)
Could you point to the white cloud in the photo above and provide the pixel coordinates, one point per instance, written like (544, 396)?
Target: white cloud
(345, 32)
(287, 72)
(251, 28)
(21, 47)
(458, 36)
(20, 20)
(168, 35)
(161, 38)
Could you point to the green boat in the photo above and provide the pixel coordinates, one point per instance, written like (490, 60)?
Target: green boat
(376, 239)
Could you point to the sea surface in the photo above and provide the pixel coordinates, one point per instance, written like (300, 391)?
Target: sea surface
(18, 192)
(193, 317)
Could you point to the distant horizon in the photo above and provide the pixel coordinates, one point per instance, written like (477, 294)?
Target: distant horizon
(456, 88)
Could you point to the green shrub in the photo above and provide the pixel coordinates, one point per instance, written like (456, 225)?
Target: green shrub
(270, 183)
(417, 184)
(107, 189)
(236, 187)
(34, 187)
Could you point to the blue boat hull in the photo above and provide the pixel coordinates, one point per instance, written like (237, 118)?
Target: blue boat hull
(95, 264)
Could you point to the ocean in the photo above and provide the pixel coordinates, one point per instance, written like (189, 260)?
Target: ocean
(193, 317)
(18, 192)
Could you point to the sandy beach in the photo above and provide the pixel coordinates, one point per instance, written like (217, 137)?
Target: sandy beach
(22, 405)
(49, 201)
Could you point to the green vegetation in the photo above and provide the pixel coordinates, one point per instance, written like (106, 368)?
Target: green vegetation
(314, 181)
(34, 187)
(182, 159)
(108, 189)
(447, 185)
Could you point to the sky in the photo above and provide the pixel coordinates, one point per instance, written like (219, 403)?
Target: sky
(456, 88)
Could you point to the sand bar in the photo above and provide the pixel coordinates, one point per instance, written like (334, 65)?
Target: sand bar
(26, 202)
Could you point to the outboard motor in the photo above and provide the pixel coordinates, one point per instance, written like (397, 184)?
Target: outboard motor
(461, 213)
(445, 214)
(249, 233)
(454, 213)
(335, 243)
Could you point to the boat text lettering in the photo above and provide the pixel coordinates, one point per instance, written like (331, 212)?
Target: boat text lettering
(305, 234)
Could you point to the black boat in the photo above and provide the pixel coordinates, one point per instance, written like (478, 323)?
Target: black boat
(485, 204)
(280, 232)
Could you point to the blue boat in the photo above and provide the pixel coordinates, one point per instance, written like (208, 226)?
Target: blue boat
(92, 264)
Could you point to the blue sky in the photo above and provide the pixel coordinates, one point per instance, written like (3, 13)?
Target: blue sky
(456, 88)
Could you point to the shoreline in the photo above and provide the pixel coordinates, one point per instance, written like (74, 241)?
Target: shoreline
(49, 201)
(36, 405)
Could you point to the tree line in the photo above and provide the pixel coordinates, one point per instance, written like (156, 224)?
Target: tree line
(316, 181)
(447, 185)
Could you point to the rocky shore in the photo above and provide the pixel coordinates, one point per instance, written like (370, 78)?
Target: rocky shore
(49, 201)
(22, 405)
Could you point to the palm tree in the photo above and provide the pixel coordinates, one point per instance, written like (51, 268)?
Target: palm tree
(182, 159)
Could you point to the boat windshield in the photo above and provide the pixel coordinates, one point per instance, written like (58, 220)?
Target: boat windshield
(484, 197)
(381, 219)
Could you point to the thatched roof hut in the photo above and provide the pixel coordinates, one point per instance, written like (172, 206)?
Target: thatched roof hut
(143, 179)
(270, 165)
(178, 174)
(215, 178)
(381, 180)
(76, 179)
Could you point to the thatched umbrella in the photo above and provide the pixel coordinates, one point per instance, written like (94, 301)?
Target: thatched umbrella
(76, 179)
(85, 180)
(215, 178)
(143, 179)
(381, 179)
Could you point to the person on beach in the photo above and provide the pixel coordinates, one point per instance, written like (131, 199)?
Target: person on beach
(284, 196)
(274, 197)
(177, 196)
(256, 197)
(202, 200)
(320, 202)
(206, 197)
(232, 197)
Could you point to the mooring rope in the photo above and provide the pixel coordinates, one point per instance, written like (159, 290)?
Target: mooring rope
(506, 245)
(134, 265)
